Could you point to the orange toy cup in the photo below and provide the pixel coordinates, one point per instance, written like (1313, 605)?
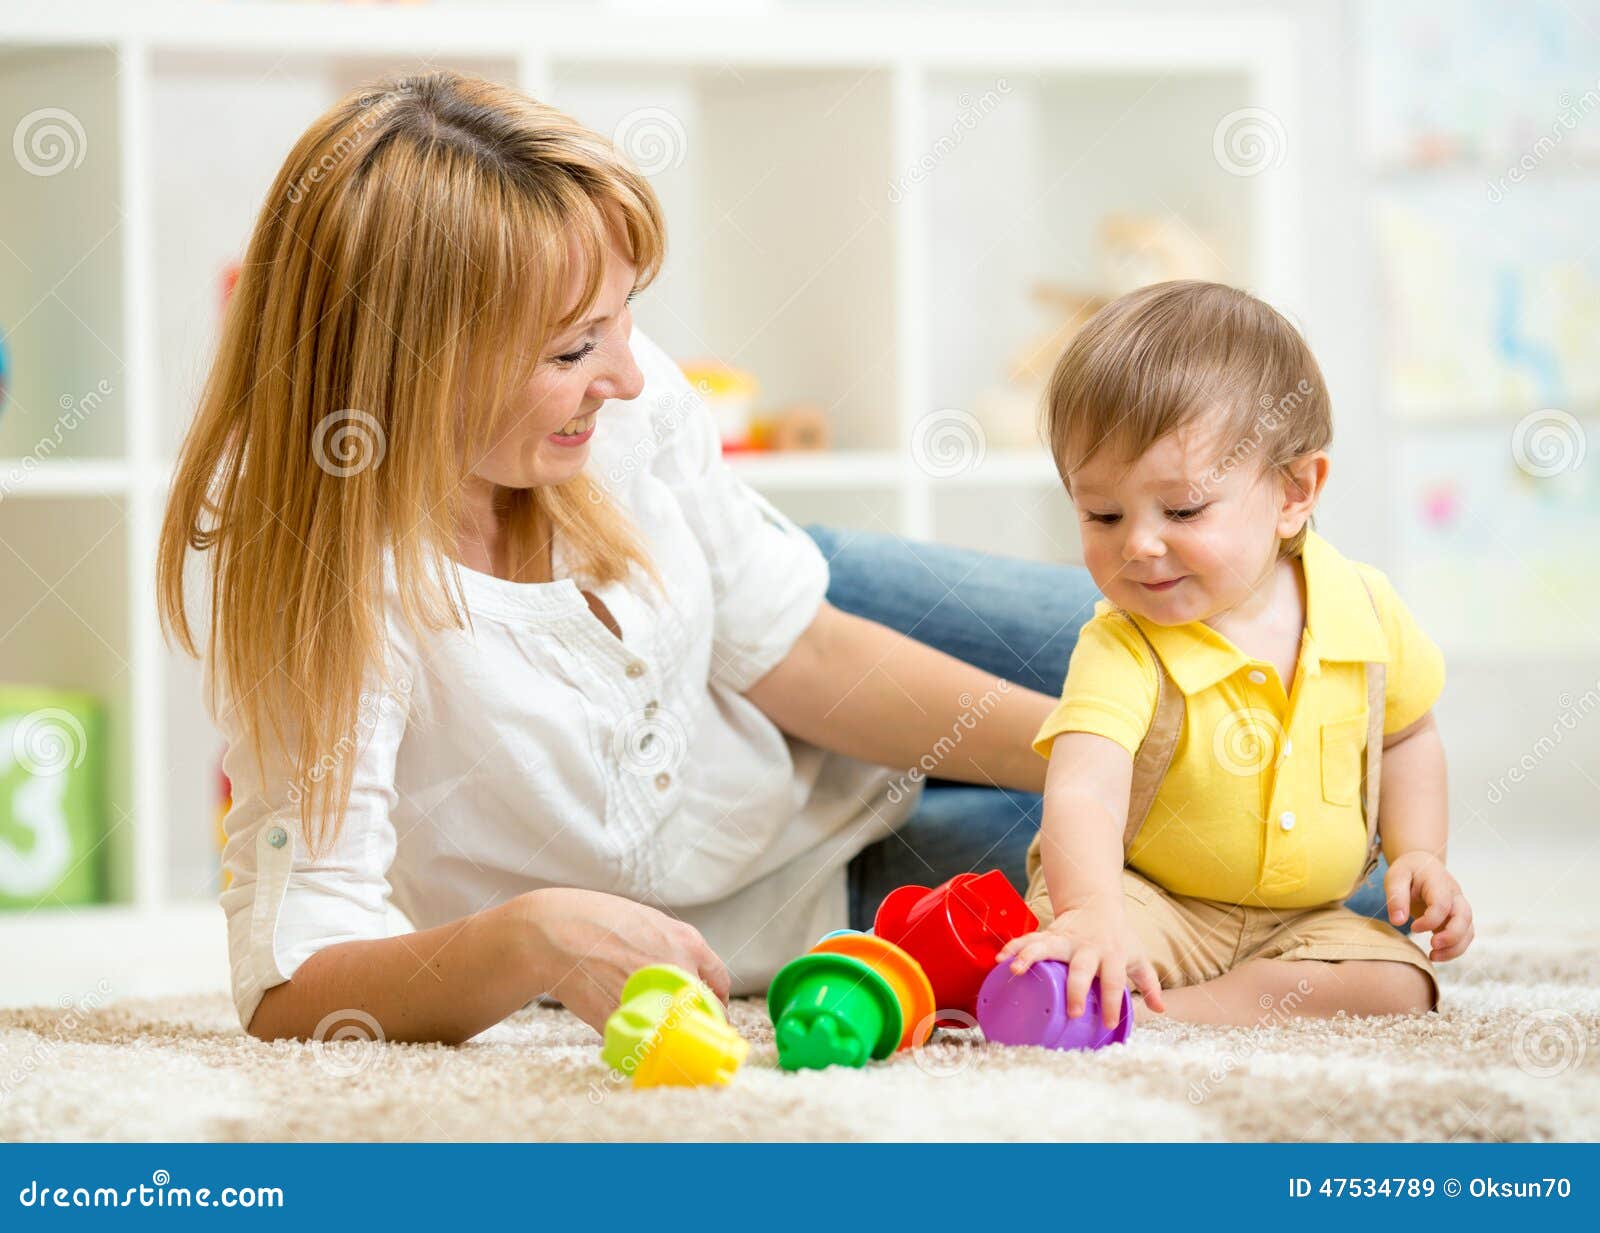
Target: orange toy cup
(903, 973)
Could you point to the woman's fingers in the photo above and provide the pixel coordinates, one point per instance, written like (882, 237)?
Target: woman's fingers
(710, 967)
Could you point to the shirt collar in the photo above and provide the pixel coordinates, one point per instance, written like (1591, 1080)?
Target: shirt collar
(1340, 625)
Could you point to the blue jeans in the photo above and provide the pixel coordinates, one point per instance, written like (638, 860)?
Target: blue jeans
(1016, 619)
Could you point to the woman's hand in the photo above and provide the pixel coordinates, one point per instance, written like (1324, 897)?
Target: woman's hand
(1092, 941)
(589, 943)
(1419, 886)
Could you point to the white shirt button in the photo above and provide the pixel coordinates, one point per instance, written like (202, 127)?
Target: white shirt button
(635, 670)
(650, 708)
(277, 837)
(663, 781)
(1286, 819)
(1257, 677)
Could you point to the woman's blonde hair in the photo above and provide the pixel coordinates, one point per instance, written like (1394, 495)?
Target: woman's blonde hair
(416, 253)
(1154, 360)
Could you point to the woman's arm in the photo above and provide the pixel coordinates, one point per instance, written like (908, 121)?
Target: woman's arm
(451, 982)
(857, 687)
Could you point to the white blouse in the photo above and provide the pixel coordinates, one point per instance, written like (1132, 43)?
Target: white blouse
(536, 749)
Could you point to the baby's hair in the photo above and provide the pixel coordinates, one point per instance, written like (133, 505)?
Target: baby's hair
(1156, 359)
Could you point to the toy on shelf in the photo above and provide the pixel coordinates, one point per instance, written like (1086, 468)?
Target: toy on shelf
(955, 931)
(53, 819)
(1131, 251)
(904, 974)
(1031, 1009)
(730, 393)
(831, 1009)
(793, 429)
(671, 1031)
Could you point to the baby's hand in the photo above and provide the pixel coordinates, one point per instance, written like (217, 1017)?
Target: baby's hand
(1092, 942)
(1418, 885)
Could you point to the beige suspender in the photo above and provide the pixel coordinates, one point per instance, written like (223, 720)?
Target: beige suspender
(1160, 743)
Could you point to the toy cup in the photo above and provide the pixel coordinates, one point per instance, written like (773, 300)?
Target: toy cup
(832, 1010)
(904, 974)
(1031, 1009)
(671, 1031)
(955, 931)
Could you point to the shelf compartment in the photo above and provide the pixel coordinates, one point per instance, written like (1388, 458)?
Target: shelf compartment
(68, 629)
(1018, 171)
(245, 131)
(61, 238)
(779, 242)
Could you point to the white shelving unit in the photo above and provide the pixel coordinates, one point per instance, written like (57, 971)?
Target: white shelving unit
(792, 254)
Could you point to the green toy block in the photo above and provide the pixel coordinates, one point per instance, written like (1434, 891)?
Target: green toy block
(52, 797)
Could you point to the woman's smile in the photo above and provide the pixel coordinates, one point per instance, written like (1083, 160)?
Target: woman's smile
(574, 431)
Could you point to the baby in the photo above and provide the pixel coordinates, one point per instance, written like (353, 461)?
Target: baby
(1212, 794)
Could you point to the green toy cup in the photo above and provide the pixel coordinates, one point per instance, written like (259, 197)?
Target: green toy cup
(832, 1010)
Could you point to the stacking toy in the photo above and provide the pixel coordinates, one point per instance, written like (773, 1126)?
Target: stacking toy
(1031, 1009)
(904, 974)
(832, 1010)
(955, 931)
(671, 1031)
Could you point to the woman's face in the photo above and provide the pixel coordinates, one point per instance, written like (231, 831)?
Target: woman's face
(546, 440)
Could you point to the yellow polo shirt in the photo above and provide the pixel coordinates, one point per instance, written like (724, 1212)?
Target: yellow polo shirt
(1262, 802)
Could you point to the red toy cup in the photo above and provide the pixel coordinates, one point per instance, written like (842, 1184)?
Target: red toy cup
(955, 931)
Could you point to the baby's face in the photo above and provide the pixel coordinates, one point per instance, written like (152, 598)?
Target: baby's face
(1175, 538)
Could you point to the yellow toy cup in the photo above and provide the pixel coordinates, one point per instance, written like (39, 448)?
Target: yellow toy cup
(671, 1031)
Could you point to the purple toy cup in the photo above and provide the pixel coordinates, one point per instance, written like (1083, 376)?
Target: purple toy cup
(1031, 1009)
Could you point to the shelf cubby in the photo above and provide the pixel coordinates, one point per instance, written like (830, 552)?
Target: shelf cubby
(61, 243)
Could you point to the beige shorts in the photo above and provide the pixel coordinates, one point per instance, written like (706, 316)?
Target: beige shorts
(1191, 941)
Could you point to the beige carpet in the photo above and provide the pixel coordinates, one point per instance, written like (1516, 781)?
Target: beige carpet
(1514, 1055)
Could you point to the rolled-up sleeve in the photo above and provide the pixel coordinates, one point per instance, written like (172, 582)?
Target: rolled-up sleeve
(282, 906)
(768, 576)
